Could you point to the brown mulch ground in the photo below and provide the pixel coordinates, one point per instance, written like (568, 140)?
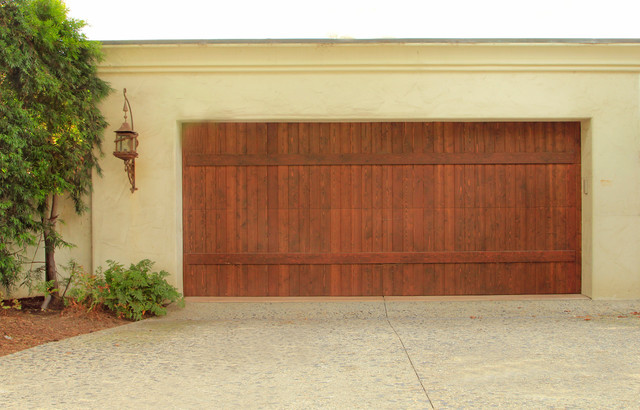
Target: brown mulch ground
(30, 326)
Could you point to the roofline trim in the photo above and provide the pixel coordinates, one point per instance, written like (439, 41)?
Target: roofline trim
(381, 41)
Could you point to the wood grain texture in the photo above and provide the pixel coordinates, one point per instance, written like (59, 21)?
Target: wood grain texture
(360, 258)
(467, 158)
(284, 209)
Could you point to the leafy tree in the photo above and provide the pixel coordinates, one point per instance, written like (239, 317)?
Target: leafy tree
(50, 125)
(18, 191)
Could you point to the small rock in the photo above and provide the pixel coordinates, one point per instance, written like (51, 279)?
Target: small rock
(8, 337)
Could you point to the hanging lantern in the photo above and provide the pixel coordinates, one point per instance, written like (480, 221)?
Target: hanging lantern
(127, 144)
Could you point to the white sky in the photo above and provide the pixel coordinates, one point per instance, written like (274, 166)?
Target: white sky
(247, 19)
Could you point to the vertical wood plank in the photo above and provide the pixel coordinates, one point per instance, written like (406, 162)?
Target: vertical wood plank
(252, 209)
(396, 205)
(304, 206)
(273, 211)
(262, 222)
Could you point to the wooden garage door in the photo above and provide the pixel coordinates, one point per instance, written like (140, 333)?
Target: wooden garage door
(297, 209)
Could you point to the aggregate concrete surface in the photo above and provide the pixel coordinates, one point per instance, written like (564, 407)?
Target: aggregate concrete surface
(352, 354)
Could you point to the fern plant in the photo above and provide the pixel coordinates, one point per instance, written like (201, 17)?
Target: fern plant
(137, 291)
(131, 293)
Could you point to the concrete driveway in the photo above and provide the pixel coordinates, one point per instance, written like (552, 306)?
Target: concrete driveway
(350, 354)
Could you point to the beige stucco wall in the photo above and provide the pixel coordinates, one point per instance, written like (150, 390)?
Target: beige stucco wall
(174, 83)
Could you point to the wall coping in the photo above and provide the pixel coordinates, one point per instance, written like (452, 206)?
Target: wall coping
(296, 56)
(382, 41)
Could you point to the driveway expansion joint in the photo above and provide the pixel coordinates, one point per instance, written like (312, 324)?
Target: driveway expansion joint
(386, 314)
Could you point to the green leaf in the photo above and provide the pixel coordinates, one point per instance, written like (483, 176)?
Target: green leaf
(50, 124)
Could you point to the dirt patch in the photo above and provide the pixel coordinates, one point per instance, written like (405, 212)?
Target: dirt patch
(30, 326)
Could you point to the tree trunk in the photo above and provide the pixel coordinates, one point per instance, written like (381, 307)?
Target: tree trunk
(49, 226)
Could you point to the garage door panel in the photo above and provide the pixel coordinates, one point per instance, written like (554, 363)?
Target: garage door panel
(382, 208)
(347, 258)
(474, 228)
(367, 280)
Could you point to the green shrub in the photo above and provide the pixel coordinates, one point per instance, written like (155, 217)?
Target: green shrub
(132, 293)
(15, 304)
(86, 288)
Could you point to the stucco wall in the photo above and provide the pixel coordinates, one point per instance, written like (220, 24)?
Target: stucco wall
(174, 83)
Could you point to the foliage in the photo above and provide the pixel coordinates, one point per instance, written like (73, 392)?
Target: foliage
(50, 125)
(15, 304)
(47, 287)
(136, 291)
(86, 288)
(19, 193)
(131, 293)
(31, 278)
(74, 270)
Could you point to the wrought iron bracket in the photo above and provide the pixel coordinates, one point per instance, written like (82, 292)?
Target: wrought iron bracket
(130, 169)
